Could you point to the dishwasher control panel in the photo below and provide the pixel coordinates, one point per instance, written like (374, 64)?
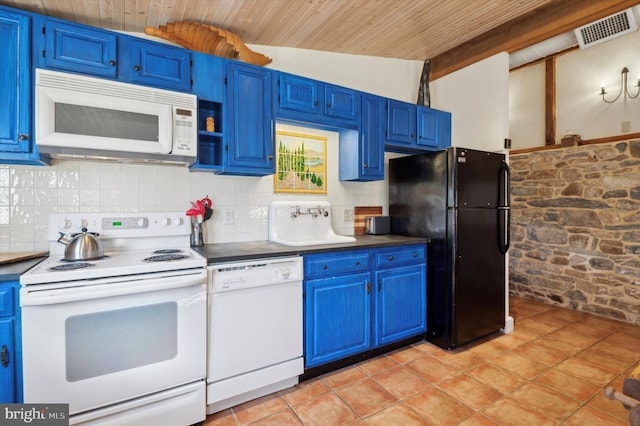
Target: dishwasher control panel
(254, 273)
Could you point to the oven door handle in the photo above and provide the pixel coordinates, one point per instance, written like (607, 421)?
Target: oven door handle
(31, 295)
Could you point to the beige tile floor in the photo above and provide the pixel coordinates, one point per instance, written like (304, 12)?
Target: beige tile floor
(551, 370)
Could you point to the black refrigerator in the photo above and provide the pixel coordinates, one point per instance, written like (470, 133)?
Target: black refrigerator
(459, 198)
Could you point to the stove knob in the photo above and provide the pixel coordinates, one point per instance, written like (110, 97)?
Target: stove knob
(81, 223)
(64, 224)
(165, 221)
(177, 221)
(143, 222)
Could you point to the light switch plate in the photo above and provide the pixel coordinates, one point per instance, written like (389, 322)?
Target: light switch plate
(348, 215)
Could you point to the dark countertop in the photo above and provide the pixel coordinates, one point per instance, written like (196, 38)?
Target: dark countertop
(12, 271)
(231, 252)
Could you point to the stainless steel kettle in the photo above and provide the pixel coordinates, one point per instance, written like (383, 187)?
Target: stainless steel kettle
(82, 246)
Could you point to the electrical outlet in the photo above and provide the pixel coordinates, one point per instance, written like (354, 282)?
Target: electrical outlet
(348, 215)
(228, 217)
(625, 126)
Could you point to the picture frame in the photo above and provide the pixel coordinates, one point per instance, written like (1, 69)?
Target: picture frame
(301, 163)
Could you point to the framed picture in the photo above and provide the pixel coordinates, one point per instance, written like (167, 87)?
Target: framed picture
(301, 163)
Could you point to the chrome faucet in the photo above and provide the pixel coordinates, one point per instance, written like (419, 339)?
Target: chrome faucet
(313, 211)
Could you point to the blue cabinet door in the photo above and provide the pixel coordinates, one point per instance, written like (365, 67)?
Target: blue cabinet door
(81, 49)
(10, 343)
(400, 303)
(362, 152)
(434, 128)
(341, 103)
(250, 125)
(15, 84)
(160, 65)
(7, 362)
(401, 124)
(299, 94)
(337, 319)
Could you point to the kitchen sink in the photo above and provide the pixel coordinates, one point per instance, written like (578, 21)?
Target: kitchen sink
(303, 223)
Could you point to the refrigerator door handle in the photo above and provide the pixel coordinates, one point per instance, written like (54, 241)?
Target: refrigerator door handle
(504, 190)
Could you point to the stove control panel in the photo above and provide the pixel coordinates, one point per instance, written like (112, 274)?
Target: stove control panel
(120, 225)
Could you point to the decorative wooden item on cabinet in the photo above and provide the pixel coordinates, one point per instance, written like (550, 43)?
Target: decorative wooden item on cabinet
(208, 39)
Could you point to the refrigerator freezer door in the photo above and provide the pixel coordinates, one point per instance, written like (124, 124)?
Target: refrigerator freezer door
(477, 177)
(479, 274)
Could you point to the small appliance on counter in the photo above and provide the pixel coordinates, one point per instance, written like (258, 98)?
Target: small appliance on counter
(377, 225)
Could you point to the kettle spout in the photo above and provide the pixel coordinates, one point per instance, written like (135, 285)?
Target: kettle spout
(65, 238)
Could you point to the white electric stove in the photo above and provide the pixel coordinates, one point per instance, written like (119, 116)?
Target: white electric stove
(121, 339)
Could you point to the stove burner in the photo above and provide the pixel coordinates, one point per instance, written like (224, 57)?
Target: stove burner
(70, 266)
(167, 251)
(165, 258)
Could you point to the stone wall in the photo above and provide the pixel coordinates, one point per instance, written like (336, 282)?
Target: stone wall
(575, 228)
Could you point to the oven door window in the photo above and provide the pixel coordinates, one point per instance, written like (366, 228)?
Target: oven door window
(123, 339)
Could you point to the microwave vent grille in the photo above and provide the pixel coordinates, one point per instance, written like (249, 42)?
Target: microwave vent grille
(96, 86)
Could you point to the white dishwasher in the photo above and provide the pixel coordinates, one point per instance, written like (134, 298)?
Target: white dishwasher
(255, 329)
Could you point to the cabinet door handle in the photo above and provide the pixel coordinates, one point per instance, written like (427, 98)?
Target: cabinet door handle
(315, 103)
(379, 285)
(4, 356)
(328, 105)
(112, 63)
(368, 287)
(358, 263)
(324, 266)
(390, 258)
(270, 157)
(23, 137)
(366, 166)
(136, 67)
(415, 254)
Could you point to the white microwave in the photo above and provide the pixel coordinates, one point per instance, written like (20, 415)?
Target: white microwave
(85, 117)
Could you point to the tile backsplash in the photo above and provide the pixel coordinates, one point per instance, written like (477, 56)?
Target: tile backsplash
(28, 194)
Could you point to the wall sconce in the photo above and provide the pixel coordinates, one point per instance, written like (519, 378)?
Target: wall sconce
(623, 87)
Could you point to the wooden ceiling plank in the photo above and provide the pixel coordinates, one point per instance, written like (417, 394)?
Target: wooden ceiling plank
(534, 27)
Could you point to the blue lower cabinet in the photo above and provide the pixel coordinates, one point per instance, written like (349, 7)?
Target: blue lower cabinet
(400, 303)
(337, 318)
(362, 299)
(10, 343)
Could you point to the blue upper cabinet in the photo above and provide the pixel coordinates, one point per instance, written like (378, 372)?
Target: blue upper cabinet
(92, 51)
(16, 142)
(401, 124)
(80, 49)
(155, 64)
(250, 145)
(412, 128)
(434, 128)
(362, 151)
(305, 100)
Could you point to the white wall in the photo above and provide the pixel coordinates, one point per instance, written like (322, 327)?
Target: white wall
(579, 107)
(478, 98)
(526, 107)
(392, 78)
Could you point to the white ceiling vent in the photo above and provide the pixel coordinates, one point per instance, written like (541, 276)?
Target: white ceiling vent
(606, 29)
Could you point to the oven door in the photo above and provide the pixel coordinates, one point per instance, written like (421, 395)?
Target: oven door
(116, 339)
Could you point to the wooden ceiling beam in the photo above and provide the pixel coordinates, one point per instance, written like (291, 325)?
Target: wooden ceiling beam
(539, 25)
